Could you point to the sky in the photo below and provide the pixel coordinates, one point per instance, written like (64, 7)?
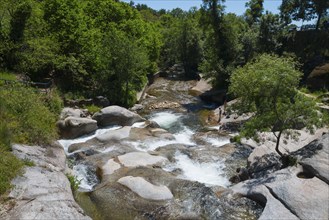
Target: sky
(234, 6)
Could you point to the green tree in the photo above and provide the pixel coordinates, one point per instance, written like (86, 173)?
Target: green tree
(219, 49)
(270, 32)
(304, 10)
(267, 87)
(123, 69)
(254, 11)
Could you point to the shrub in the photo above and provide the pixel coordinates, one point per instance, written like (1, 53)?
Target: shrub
(10, 166)
(27, 116)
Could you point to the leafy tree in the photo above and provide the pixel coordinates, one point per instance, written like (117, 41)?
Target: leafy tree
(124, 68)
(270, 32)
(267, 87)
(18, 21)
(304, 10)
(182, 41)
(254, 11)
(219, 52)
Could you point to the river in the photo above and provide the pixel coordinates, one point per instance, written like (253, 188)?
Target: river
(199, 162)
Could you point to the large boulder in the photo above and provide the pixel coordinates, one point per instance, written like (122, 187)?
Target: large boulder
(214, 96)
(301, 191)
(146, 189)
(72, 112)
(115, 135)
(116, 115)
(283, 192)
(42, 191)
(315, 157)
(73, 127)
(319, 77)
(101, 101)
(135, 159)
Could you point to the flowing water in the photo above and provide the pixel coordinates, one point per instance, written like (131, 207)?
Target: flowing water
(203, 157)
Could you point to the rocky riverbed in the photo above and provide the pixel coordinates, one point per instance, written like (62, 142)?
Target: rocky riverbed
(168, 158)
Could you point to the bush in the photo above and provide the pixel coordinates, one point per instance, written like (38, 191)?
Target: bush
(10, 166)
(27, 116)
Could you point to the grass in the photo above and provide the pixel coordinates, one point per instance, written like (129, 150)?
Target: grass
(10, 167)
(92, 108)
(7, 75)
(74, 182)
(26, 117)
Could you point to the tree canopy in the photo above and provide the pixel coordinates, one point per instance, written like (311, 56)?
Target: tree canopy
(267, 87)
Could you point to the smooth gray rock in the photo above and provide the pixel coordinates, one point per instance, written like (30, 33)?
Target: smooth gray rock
(135, 159)
(73, 127)
(146, 189)
(51, 157)
(115, 135)
(116, 115)
(315, 157)
(109, 168)
(306, 198)
(286, 196)
(71, 112)
(42, 191)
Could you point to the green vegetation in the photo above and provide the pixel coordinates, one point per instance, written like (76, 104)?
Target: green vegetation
(74, 182)
(27, 116)
(268, 88)
(108, 47)
(10, 166)
(92, 108)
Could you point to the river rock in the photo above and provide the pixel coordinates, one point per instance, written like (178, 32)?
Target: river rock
(165, 105)
(146, 189)
(116, 115)
(306, 198)
(301, 194)
(101, 101)
(214, 96)
(135, 159)
(73, 127)
(114, 135)
(201, 87)
(109, 168)
(71, 112)
(268, 141)
(315, 157)
(42, 191)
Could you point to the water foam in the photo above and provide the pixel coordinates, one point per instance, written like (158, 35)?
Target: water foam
(67, 142)
(209, 173)
(183, 137)
(165, 119)
(85, 176)
(217, 142)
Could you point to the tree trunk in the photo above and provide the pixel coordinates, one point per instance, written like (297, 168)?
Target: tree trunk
(277, 144)
(318, 21)
(126, 96)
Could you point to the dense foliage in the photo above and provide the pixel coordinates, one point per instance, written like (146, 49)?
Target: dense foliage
(267, 87)
(107, 47)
